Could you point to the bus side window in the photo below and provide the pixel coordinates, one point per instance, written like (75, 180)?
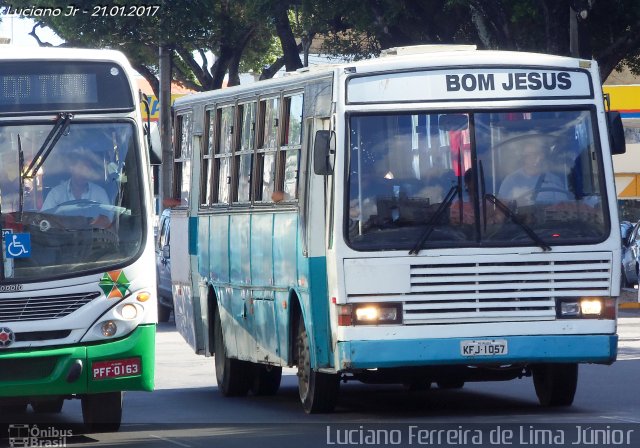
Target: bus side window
(207, 193)
(267, 149)
(291, 144)
(244, 152)
(224, 153)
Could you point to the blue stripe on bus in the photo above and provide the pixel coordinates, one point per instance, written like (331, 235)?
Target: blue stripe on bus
(319, 306)
(254, 261)
(630, 114)
(530, 349)
(193, 235)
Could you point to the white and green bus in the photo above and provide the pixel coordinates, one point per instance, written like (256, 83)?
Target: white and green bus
(426, 217)
(78, 308)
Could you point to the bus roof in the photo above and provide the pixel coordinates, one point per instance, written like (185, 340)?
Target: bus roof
(10, 52)
(407, 58)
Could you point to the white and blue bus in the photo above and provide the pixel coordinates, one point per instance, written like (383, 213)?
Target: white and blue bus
(78, 305)
(423, 217)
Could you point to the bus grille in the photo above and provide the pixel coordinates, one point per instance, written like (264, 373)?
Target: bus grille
(487, 289)
(42, 307)
(500, 291)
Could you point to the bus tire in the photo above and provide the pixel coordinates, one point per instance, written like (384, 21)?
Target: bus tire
(266, 380)
(416, 385)
(555, 384)
(450, 384)
(13, 408)
(233, 376)
(318, 391)
(102, 412)
(51, 406)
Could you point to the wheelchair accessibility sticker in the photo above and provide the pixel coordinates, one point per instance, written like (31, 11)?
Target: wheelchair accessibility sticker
(16, 245)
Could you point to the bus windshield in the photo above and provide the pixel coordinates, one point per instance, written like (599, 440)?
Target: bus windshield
(508, 178)
(72, 208)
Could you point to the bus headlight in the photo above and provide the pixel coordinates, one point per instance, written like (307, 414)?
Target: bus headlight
(569, 309)
(590, 306)
(586, 307)
(119, 320)
(109, 328)
(377, 313)
(129, 311)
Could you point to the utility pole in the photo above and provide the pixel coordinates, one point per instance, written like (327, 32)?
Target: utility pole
(166, 174)
(579, 45)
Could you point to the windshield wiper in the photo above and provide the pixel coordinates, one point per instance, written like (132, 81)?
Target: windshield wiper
(20, 179)
(509, 213)
(431, 225)
(62, 123)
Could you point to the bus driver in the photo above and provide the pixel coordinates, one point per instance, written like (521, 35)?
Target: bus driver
(78, 187)
(533, 182)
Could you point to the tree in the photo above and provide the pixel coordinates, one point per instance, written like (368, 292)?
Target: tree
(226, 29)
(612, 26)
(254, 33)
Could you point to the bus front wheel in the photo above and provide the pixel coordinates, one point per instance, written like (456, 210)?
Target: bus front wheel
(555, 384)
(318, 391)
(233, 376)
(102, 412)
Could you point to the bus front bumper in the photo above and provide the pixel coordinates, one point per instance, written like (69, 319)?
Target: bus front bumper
(601, 349)
(124, 364)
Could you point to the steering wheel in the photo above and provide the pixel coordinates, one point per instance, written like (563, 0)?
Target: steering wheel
(566, 193)
(74, 205)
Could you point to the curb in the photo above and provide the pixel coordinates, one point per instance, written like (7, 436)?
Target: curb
(628, 299)
(629, 306)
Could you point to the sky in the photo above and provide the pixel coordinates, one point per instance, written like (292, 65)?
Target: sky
(18, 30)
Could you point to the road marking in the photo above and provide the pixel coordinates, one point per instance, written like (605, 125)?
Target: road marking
(170, 441)
(622, 419)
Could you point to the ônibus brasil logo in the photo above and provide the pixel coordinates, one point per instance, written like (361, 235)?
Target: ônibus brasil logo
(7, 337)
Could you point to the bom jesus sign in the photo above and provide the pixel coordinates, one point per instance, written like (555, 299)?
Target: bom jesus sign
(470, 84)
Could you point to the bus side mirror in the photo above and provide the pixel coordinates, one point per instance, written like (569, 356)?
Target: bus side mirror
(616, 133)
(166, 251)
(324, 148)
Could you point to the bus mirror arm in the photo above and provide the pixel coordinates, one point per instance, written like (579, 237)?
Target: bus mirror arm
(324, 149)
(616, 132)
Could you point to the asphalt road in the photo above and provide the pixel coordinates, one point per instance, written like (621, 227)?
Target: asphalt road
(187, 410)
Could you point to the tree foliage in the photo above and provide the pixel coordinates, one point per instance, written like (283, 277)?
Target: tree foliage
(266, 35)
(611, 29)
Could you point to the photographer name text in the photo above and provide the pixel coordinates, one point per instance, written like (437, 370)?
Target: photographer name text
(524, 435)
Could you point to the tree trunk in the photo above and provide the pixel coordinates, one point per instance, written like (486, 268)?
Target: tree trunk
(290, 50)
(219, 69)
(234, 68)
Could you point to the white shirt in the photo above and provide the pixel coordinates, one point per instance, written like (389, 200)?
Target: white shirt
(62, 193)
(519, 186)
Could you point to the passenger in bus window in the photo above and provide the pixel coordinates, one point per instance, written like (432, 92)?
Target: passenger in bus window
(78, 187)
(533, 182)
